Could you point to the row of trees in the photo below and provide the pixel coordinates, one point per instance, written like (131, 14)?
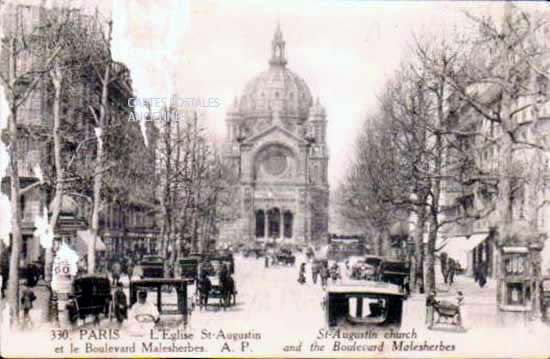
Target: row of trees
(67, 99)
(70, 129)
(457, 98)
(193, 185)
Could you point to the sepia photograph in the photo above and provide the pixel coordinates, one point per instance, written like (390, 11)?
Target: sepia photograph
(299, 179)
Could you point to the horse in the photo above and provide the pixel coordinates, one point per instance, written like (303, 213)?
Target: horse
(228, 290)
(204, 286)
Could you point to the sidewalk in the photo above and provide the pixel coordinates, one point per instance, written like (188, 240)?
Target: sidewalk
(473, 294)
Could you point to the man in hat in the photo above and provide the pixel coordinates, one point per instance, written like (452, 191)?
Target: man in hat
(142, 316)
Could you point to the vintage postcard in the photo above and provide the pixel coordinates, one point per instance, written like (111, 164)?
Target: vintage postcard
(210, 178)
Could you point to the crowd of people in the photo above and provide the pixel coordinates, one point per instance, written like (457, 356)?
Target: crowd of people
(320, 270)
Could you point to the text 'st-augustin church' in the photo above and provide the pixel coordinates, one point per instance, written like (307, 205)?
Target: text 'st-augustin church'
(276, 145)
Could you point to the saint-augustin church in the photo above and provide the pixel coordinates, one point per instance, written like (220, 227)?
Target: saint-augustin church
(276, 146)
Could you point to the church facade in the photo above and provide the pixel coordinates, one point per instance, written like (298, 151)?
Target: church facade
(276, 147)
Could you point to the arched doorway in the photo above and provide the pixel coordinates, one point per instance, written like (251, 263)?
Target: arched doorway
(274, 222)
(260, 223)
(288, 219)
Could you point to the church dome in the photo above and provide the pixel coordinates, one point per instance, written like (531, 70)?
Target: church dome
(278, 88)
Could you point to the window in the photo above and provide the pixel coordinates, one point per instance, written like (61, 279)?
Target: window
(364, 309)
(517, 293)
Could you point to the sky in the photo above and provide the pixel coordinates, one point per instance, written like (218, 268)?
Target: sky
(210, 49)
(344, 50)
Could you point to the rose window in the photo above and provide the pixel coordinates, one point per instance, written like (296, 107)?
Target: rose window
(275, 163)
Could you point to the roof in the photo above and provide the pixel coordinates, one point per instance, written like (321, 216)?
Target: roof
(366, 287)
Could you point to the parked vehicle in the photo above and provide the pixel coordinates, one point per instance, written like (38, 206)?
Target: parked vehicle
(190, 267)
(170, 297)
(363, 303)
(90, 296)
(396, 272)
(367, 269)
(254, 250)
(285, 256)
(152, 266)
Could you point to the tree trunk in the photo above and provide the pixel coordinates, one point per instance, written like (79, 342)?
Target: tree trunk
(13, 284)
(434, 213)
(57, 79)
(419, 245)
(429, 278)
(98, 175)
(504, 200)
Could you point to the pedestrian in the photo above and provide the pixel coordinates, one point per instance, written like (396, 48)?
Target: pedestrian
(27, 298)
(5, 267)
(302, 274)
(266, 263)
(130, 268)
(444, 262)
(314, 271)
(335, 272)
(33, 274)
(430, 302)
(482, 274)
(451, 270)
(121, 304)
(419, 282)
(115, 272)
(324, 275)
(476, 273)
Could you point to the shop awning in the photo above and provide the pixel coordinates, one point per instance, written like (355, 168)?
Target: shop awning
(85, 241)
(456, 248)
(476, 239)
(515, 250)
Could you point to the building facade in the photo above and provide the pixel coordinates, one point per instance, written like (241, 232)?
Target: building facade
(123, 218)
(276, 147)
(474, 237)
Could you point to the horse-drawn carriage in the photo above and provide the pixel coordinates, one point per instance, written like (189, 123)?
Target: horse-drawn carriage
(215, 282)
(446, 312)
(90, 296)
(152, 266)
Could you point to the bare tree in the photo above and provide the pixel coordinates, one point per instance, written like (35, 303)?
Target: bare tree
(28, 56)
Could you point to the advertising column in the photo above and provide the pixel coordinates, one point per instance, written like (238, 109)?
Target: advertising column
(63, 271)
